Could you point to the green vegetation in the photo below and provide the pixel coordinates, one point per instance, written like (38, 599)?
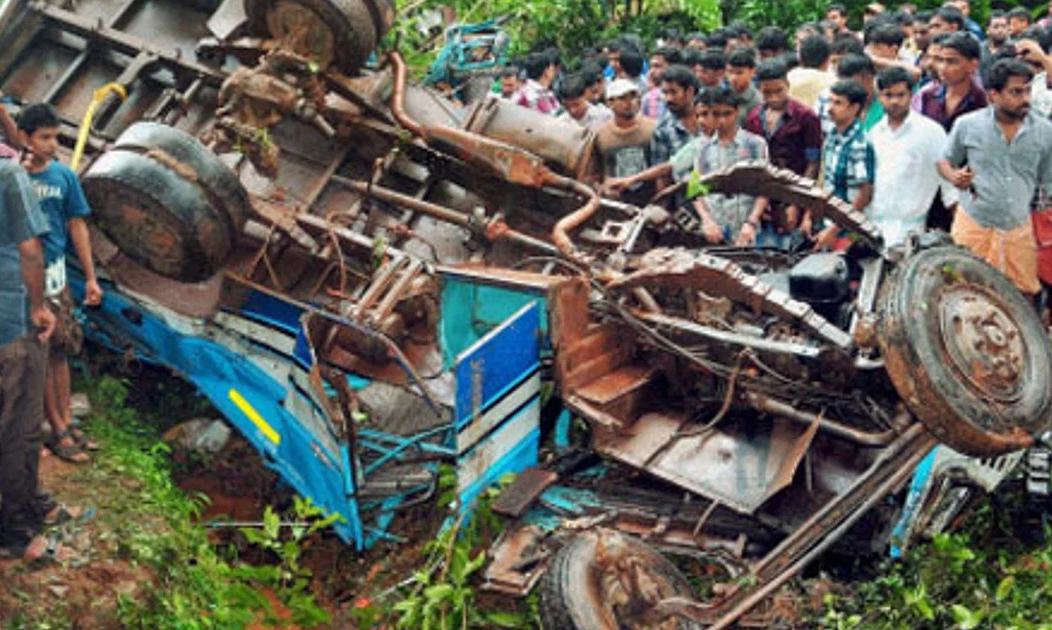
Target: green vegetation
(154, 523)
(442, 595)
(570, 25)
(576, 25)
(983, 576)
(789, 14)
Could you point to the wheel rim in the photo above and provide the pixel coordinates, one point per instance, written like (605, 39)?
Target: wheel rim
(627, 586)
(982, 342)
(302, 29)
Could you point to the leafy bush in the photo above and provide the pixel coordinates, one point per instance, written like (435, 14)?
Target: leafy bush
(442, 595)
(983, 577)
(789, 14)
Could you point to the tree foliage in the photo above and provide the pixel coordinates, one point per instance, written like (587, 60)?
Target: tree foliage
(573, 26)
(789, 14)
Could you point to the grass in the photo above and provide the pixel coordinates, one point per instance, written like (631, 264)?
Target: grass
(155, 526)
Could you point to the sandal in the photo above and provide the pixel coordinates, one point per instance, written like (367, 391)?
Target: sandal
(38, 550)
(69, 453)
(82, 439)
(62, 514)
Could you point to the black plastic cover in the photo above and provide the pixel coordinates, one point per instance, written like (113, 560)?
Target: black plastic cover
(821, 278)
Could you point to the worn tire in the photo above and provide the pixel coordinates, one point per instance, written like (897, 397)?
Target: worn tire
(342, 32)
(568, 598)
(167, 202)
(966, 352)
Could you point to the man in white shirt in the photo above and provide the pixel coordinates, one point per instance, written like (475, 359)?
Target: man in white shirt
(813, 76)
(908, 147)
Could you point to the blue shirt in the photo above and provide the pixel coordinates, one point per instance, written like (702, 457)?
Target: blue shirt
(20, 220)
(61, 199)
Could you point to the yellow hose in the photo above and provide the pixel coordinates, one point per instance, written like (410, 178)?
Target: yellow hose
(89, 115)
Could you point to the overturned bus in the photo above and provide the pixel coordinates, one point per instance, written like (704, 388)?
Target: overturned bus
(367, 280)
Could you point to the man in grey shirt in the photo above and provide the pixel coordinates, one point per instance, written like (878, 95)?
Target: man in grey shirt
(21, 362)
(997, 157)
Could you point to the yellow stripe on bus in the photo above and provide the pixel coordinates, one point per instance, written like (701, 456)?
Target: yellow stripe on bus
(253, 415)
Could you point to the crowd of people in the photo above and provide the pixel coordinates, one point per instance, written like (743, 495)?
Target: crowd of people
(921, 120)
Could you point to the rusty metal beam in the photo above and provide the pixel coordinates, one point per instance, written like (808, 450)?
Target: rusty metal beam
(679, 268)
(492, 229)
(709, 334)
(123, 42)
(762, 179)
(766, 404)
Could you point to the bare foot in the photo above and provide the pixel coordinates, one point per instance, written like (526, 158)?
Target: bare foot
(36, 549)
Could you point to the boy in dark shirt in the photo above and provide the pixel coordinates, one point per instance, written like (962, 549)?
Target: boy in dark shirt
(794, 139)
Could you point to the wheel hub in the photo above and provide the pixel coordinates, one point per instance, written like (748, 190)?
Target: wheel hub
(629, 588)
(302, 29)
(983, 342)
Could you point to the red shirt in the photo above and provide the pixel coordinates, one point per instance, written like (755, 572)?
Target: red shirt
(796, 140)
(931, 101)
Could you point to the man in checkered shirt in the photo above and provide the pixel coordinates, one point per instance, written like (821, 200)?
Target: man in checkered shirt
(537, 93)
(849, 162)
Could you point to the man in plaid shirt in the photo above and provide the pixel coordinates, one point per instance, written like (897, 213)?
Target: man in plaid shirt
(678, 125)
(849, 162)
(537, 93)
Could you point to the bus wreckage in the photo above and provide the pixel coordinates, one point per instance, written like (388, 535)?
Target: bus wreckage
(368, 280)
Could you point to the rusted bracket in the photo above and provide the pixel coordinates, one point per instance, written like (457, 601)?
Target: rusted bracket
(398, 281)
(762, 179)
(682, 269)
(283, 218)
(362, 91)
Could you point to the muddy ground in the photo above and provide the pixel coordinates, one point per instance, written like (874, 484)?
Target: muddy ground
(83, 591)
